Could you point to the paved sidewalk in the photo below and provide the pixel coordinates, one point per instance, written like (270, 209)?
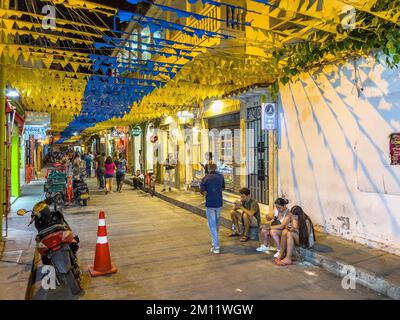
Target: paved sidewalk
(17, 251)
(162, 252)
(375, 269)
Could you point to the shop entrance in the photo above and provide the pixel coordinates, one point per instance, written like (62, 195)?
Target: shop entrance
(224, 139)
(257, 156)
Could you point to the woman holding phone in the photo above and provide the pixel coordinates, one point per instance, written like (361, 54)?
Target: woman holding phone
(275, 229)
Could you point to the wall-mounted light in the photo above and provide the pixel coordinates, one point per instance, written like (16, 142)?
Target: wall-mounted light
(12, 93)
(185, 115)
(217, 106)
(169, 120)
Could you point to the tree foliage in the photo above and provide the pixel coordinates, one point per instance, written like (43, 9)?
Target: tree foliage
(372, 34)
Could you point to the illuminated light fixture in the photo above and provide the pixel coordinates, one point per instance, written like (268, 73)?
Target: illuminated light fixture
(12, 93)
(169, 120)
(185, 115)
(75, 133)
(217, 106)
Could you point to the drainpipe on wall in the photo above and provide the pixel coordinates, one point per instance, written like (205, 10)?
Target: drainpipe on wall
(271, 173)
(3, 39)
(273, 164)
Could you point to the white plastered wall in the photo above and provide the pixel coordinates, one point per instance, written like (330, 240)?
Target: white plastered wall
(334, 151)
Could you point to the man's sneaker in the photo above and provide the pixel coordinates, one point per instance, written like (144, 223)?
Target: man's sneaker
(272, 248)
(262, 248)
(276, 255)
(170, 189)
(215, 250)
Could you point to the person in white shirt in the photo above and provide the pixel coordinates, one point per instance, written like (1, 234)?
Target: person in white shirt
(274, 230)
(138, 180)
(169, 165)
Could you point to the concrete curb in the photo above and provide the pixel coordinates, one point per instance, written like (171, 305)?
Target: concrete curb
(32, 276)
(338, 268)
(362, 277)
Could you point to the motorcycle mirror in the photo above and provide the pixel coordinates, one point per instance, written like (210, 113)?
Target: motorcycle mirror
(21, 212)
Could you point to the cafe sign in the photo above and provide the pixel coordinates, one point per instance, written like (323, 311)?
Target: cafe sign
(37, 131)
(137, 131)
(395, 149)
(117, 134)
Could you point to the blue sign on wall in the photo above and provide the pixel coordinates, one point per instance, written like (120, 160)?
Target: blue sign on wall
(269, 113)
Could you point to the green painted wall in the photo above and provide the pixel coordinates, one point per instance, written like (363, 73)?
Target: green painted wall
(15, 155)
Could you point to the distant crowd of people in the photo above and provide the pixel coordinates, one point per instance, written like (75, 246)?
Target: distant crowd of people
(107, 168)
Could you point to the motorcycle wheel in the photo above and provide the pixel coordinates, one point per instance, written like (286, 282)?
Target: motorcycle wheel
(73, 283)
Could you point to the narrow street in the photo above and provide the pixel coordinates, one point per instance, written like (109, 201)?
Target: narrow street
(162, 252)
(279, 120)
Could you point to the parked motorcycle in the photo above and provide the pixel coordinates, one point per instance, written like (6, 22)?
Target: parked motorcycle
(58, 199)
(56, 243)
(80, 189)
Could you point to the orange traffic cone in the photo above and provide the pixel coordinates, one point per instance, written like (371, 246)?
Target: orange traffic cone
(102, 260)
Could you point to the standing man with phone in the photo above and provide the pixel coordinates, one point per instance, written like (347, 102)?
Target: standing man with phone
(211, 187)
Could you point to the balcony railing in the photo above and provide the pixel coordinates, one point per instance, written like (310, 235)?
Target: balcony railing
(205, 24)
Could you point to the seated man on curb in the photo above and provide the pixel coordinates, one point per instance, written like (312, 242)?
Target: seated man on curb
(247, 210)
(138, 180)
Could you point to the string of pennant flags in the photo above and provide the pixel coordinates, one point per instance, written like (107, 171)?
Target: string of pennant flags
(98, 110)
(113, 97)
(76, 75)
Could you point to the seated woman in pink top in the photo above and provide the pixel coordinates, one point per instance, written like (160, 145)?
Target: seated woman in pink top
(109, 174)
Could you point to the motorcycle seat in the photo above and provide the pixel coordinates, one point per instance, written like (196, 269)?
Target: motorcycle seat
(51, 229)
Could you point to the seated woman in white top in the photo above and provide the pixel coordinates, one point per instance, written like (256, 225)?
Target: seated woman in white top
(281, 218)
(299, 232)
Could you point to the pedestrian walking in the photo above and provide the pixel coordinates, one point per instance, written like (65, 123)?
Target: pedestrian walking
(169, 165)
(211, 187)
(121, 171)
(88, 160)
(109, 173)
(76, 164)
(100, 169)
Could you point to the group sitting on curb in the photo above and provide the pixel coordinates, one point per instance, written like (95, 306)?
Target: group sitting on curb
(288, 228)
(138, 180)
